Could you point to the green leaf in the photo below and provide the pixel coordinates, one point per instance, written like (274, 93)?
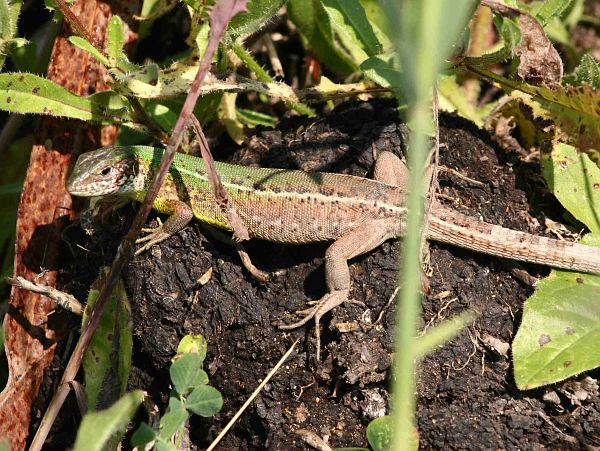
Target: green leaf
(164, 111)
(162, 445)
(511, 37)
(186, 373)
(153, 9)
(442, 333)
(86, 46)
(9, 15)
(350, 21)
(142, 435)
(25, 58)
(6, 25)
(253, 118)
(98, 427)
(587, 71)
(31, 94)
(572, 108)
(193, 344)
(452, 98)
(381, 69)
(194, 4)
(550, 9)
(205, 401)
(313, 22)
(379, 433)
(173, 420)
(116, 38)
(262, 75)
(111, 101)
(257, 16)
(573, 178)
(378, 21)
(107, 360)
(560, 330)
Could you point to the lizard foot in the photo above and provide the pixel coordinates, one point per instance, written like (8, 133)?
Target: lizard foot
(327, 303)
(155, 236)
(258, 274)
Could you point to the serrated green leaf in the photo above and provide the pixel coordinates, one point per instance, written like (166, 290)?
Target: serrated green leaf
(31, 94)
(17, 42)
(9, 14)
(349, 20)
(511, 37)
(171, 421)
(5, 20)
(186, 373)
(574, 179)
(176, 80)
(560, 330)
(205, 401)
(98, 427)
(116, 37)
(257, 16)
(550, 9)
(86, 46)
(587, 71)
(263, 76)
(573, 108)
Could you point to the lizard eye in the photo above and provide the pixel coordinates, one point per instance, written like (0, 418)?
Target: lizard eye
(106, 171)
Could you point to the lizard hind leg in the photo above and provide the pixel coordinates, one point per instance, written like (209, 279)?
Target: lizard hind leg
(368, 236)
(258, 274)
(391, 170)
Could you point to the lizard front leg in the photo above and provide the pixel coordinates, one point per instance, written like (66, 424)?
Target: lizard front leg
(362, 239)
(181, 216)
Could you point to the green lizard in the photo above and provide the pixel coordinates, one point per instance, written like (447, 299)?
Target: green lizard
(288, 206)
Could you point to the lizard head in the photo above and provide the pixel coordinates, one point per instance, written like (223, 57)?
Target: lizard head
(106, 171)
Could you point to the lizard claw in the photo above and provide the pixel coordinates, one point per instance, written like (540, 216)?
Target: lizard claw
(155, 236)
(327, 303)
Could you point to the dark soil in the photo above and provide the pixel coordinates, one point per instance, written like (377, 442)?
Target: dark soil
(466, 395)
